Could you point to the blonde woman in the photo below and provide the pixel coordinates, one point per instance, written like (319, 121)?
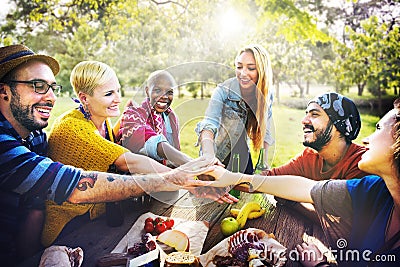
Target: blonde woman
(83, 137)
(28, 90)
(240, 109)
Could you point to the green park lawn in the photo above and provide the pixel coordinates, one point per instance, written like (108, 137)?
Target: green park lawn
(287, 125)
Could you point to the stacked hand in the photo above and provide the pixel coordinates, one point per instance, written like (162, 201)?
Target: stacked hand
(220, 195)
(213, 181)
(206, 161)
(184, 176)
(223, 177)
(311, 256)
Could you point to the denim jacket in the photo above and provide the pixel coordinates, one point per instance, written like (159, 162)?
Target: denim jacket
(226, 117)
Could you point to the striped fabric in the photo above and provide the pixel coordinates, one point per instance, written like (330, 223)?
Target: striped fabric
(25, 169)
(140, 123)
(27, 177)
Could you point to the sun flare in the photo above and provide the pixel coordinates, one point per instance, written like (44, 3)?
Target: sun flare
(230, 23)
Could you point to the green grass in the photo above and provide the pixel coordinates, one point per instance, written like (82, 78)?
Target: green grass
(62, 105)
(287, 126)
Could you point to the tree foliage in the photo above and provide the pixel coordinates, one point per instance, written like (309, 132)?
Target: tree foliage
(380, 43)
(349, 43)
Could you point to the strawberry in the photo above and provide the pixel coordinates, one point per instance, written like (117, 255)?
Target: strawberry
(158, 220)
(160, 228)
(148, 227)
(169, 223)
(149, 219)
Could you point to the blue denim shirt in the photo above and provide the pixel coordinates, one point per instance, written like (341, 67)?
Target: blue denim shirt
(150, 146)
(226, 117)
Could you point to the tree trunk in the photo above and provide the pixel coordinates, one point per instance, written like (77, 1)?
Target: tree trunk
(379, 99)
(202, 90)
(337, 86)
(360, 87)
(277, 91)
(301, 90)
(298, 83)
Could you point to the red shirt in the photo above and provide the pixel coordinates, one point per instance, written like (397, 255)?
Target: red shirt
(309, 164)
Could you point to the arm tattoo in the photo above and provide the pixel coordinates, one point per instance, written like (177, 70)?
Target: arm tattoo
(110, 178)
(87, 180)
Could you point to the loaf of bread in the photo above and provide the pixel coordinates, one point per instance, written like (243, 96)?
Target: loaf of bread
(61, 256)
(181, 259)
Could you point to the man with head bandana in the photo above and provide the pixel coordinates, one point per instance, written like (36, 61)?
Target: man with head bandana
(331, 122)
(342, 113)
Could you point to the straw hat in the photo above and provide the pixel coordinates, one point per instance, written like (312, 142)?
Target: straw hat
(14, 55)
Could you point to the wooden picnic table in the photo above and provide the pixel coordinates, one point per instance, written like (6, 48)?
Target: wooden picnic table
(290, 228)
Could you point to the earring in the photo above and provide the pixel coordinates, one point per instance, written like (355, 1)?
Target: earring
(84, 109)
(86, 112)
(6, 98)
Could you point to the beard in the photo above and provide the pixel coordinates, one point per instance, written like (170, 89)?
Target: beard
(24, 114)
(322, 138)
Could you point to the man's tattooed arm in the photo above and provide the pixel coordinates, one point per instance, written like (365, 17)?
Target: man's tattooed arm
(103, 187)
(87, 180)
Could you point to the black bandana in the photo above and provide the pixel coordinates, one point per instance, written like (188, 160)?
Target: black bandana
(342, 112)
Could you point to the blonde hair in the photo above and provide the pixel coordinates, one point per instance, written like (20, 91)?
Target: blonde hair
(87, 75)
(257, 126)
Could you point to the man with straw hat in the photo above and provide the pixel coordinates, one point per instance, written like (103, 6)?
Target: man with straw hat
(27, 95)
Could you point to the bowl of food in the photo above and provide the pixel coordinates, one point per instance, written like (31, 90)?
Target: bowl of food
(246, 248)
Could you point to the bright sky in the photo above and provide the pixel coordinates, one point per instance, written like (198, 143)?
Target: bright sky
(229, 22)
(232, 24)
(5, 6)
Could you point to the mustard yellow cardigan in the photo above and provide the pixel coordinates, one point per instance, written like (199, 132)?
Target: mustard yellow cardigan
(76, 141)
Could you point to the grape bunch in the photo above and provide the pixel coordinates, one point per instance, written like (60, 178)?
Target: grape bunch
(148, 244)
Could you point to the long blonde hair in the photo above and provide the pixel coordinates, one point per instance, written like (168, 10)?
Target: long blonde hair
(87, 75)
(257, 126)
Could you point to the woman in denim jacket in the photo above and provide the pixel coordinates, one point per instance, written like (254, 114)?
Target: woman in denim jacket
(240, 109)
